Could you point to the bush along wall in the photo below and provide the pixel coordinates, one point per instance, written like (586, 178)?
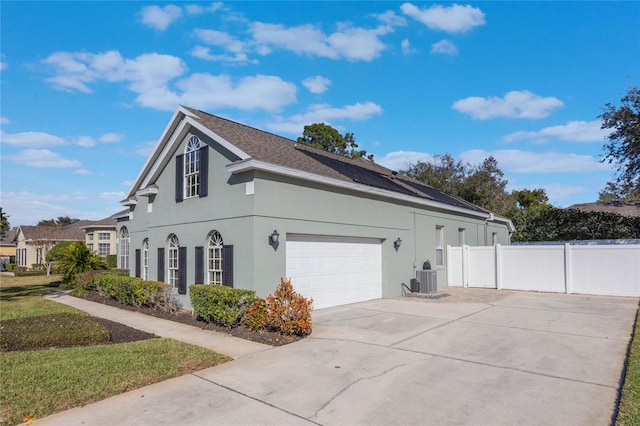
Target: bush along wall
(221, 305)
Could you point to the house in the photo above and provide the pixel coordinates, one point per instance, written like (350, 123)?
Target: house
(7, 247)
(34, 242)
(218, 202)
(100, 236)
(629, 209)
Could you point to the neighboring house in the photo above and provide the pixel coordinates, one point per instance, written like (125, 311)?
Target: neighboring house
(34, 242)
(7, 247)
(101, 236)
(625, 209)
(218, 202)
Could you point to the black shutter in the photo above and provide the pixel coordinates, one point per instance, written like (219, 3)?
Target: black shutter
(227, 266)
(204, 171)
(179, 178)
(200, 265)
(138, 263)
(161, 264)
(182, 270)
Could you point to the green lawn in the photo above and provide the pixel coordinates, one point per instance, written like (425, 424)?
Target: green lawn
(629, 408)
(37, 383)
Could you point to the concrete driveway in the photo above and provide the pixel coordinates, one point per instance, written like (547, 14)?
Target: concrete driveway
(525, 358)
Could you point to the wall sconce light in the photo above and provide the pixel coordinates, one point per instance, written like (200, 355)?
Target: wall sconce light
(273, 240)
(397, 243)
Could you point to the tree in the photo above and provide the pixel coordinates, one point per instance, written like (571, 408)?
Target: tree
(60, 221)
(4, 221)
(623, 148)
(443, 173)
(76, 257)
(53, 255)
(323, 136)
(529, 206)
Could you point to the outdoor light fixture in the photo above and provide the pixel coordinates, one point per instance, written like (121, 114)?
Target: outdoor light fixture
(397, 243)
(273, 240)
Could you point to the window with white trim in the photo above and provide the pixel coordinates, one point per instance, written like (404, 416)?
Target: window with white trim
(104, 236)
(145, 260)
(90, 236)
(172, 261)
(90, 245)
(104, 249)
(439, 245)
(214, 258)
(192, 168)
(124, 248)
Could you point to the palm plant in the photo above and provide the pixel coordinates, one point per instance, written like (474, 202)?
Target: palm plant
(77, 257)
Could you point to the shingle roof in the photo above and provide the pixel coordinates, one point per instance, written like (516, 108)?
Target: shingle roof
(73, 232)
(619, 207)
(274, 149)
(107, 222)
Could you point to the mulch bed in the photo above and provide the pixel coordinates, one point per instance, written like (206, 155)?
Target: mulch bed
(120, 331)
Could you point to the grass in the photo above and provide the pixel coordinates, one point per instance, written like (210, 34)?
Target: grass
(629, 407)
(37, 383)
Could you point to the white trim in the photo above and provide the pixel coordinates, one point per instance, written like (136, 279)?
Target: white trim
(252, 164)
(145, 192)
(129, 201)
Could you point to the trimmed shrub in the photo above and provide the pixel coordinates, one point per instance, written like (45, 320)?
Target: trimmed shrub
(219, 304)
(256, 316)
(129, 290)
(10, 267)
(288, 311)
(86, 280)
(112, 261)
(23, 273)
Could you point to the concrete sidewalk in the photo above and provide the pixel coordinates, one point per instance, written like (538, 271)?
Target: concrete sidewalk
(218, 342)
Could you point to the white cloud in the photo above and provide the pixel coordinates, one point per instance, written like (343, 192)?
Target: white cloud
(116, 195)
(324, 113)
(3, 65)
(573, 131)
(4, 120)
(42, 158)
(518, 161)
(31, 139)
(317, 84)
(203, 52)
(144, 149)
(453, 19)
(401, 160)
(82, 172)
(391, 18)
(27, 208)
(148, 75)
(160, 17)
(444, 46)
(523, 104)
(196, 9)
(126, 183)
(85, 141)
(222, 39)
(406, 47)
(205, 91)
(351, 43)
(111, 137)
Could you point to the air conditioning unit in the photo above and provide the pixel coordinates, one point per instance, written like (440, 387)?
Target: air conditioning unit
(427, 281)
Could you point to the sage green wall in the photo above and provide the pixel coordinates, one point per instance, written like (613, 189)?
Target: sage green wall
(291, 207)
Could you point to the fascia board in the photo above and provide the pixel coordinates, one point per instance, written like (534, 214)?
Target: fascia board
(147, 192)
(163, 158)
(175, 119)
(286, 171)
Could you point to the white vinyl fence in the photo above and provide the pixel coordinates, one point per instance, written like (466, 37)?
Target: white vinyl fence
(587, 269)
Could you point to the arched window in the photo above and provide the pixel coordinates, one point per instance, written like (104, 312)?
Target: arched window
(214, 258)
(192, 168)
(124, 248)
(172, 261)
(145, 259)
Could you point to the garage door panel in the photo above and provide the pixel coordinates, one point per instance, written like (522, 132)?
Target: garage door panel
(335, 271)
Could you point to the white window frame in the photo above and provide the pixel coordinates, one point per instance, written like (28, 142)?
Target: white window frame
(145, 259)
(173, 261)
(90, 236)
(104, 249)
(90, 245)
(124, 248)
(192, 168)
(103, 236)
(214, 258)
(439, 246)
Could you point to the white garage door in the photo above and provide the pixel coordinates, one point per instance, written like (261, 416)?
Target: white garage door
(335, 271)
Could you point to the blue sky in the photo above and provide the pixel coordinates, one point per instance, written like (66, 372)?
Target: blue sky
(88, 87)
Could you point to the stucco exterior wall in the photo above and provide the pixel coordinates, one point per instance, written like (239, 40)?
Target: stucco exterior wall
(245, 209)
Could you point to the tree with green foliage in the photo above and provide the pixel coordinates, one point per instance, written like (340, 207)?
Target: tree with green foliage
(623, 148)
(60, 221)
(53, 255)
(4, 221)
(76, 257)
(529, 206)
(325, 137)
(443, 173)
